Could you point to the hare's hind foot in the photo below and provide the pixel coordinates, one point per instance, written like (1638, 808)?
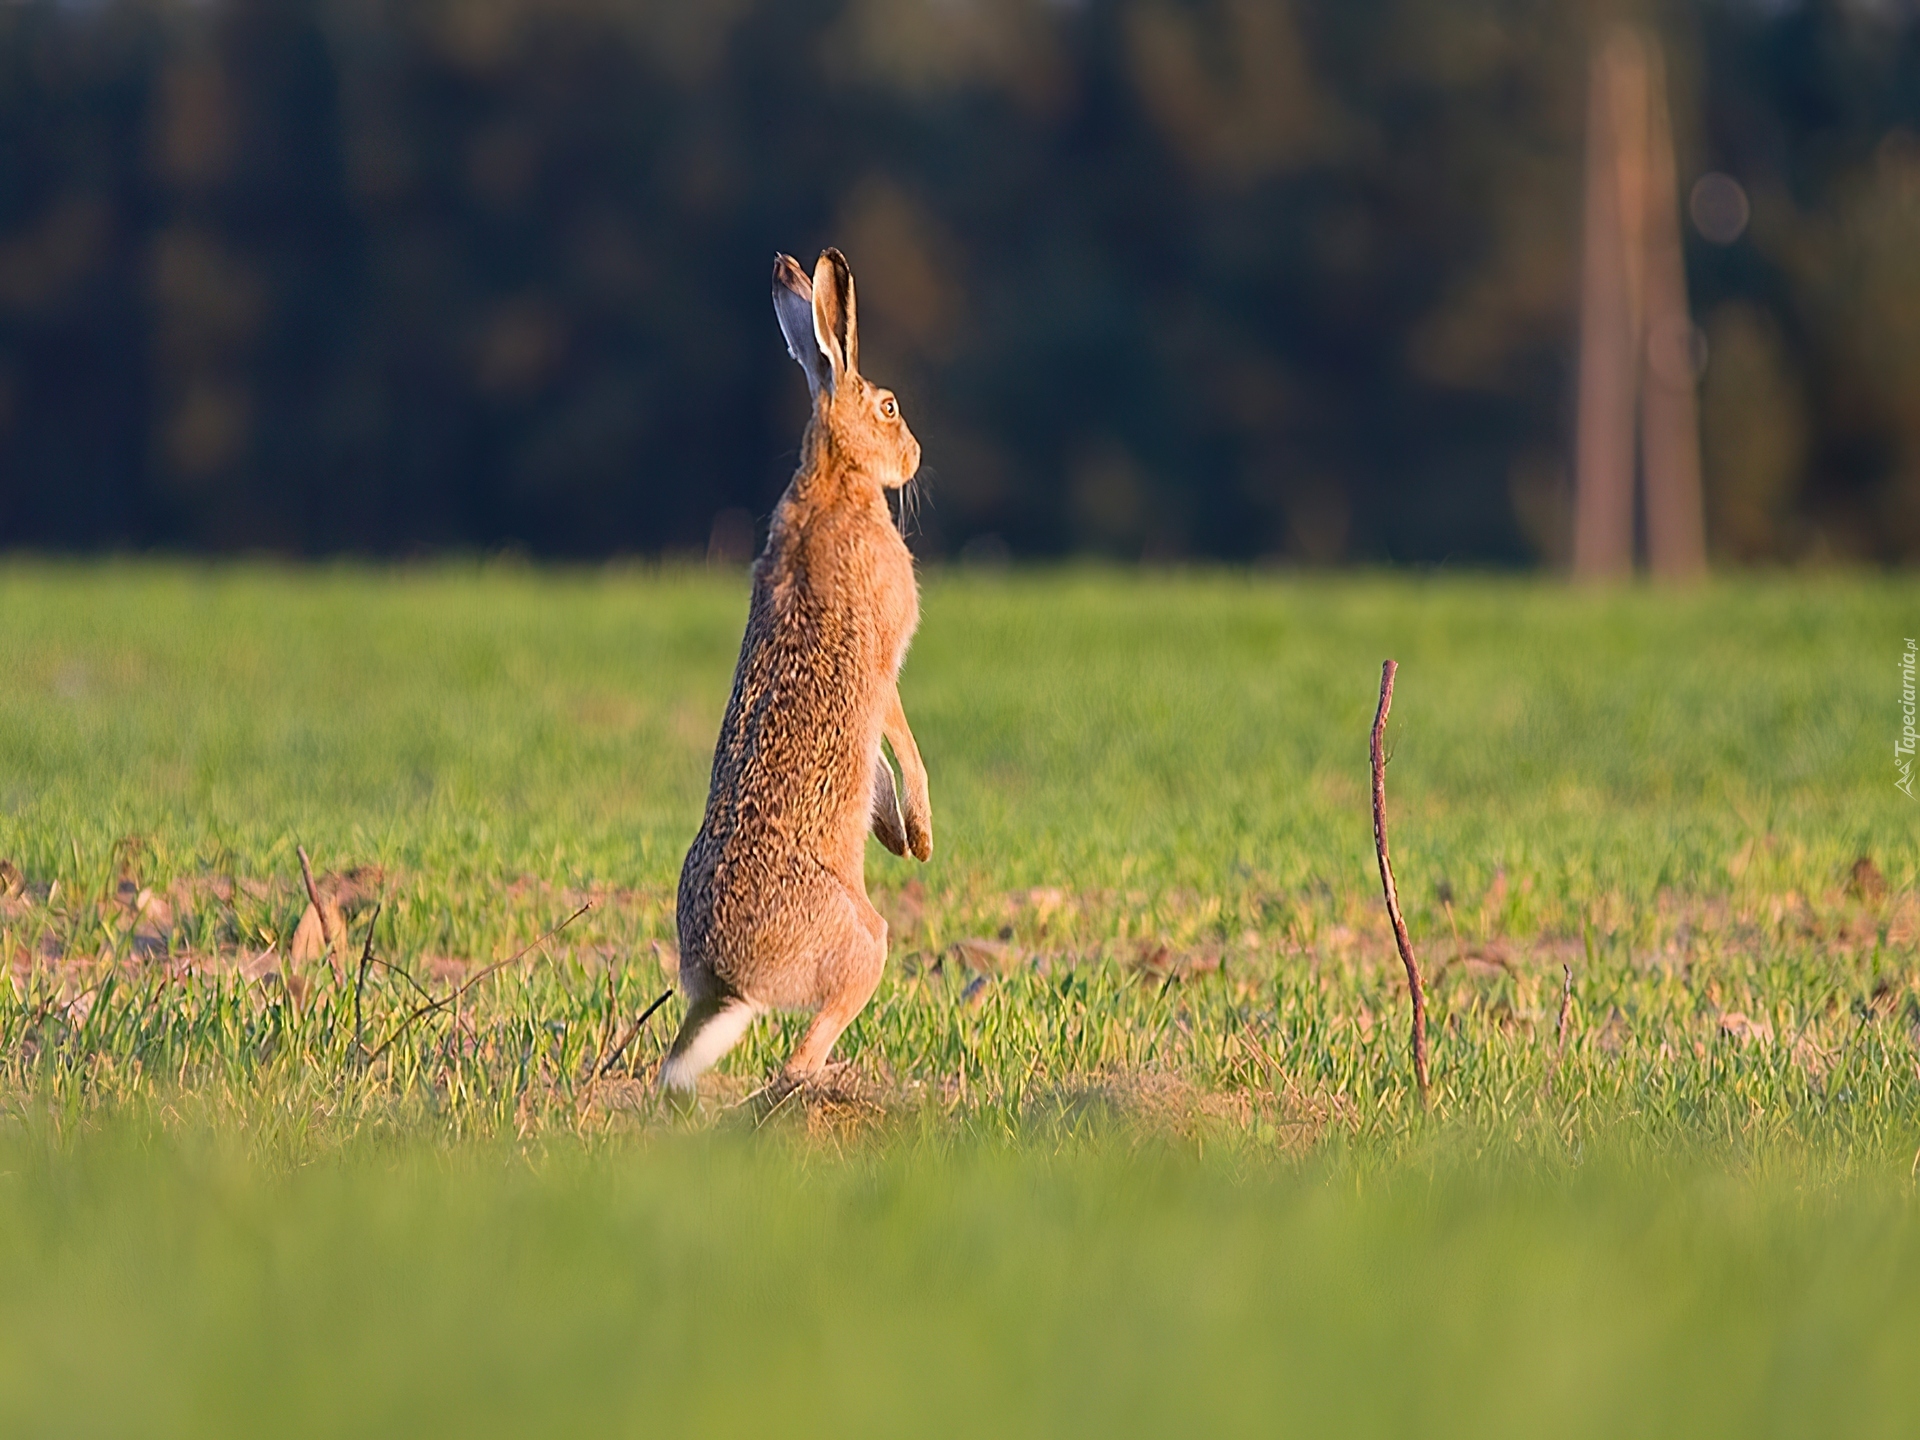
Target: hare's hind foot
(837, 1083)
(809, 1059)
(713, 1026)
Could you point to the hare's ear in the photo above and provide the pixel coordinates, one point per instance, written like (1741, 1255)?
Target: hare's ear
(833, 318)
(793, 307)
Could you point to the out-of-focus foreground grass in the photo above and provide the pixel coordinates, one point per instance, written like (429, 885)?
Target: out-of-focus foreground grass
(1129, 1141)
(169, 1283)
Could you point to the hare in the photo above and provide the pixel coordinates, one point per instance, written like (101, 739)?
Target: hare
(773, 908)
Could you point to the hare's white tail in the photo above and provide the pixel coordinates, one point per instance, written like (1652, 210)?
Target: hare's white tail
(712, 1027)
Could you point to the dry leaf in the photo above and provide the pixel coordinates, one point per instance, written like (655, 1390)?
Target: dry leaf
(1866, 882)
(1156, 960)
(986, 957)
(309, 939)
(1747, 1031)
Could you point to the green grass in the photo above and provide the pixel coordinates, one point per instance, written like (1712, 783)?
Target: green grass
(1160, 1166)
(730, 1288)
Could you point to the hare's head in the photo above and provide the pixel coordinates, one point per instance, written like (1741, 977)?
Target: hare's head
(860, 421)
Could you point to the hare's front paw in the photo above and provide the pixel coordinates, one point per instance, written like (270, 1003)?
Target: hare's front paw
(888, 828)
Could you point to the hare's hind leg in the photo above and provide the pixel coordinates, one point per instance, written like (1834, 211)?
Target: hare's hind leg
(853, 973)
(713, 1026)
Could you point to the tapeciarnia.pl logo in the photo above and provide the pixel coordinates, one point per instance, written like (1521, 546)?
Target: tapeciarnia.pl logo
(1903, 747)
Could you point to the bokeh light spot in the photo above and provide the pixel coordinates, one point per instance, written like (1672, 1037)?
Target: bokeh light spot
(1719, 207)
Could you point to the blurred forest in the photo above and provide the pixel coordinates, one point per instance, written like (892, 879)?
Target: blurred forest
(1234, 278)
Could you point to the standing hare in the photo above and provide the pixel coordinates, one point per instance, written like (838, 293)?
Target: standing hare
(773, 897)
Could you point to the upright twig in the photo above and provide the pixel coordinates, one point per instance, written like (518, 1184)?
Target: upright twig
(326, 925)
(1562, 1025)
(1415, 985)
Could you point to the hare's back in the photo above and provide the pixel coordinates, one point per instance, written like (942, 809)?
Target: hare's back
(808, 698)
(793, 766)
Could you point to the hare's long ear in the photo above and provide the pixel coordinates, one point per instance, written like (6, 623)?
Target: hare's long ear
(793, 307)
(833, 318)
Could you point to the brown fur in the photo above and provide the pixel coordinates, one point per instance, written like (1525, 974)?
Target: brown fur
(773, 908)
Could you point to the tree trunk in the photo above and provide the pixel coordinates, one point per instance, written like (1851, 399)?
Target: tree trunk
(1669, 417)
(1609, 314)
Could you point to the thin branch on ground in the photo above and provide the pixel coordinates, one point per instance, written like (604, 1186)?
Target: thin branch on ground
(454, 998)
(360, 980)
(1415, 985)
(326, 925)
(597, 1070)
(1260, 1053)
(627, 1035)
(404, 974)
(781, 1088)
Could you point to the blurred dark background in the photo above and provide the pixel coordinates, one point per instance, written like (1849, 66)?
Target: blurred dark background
(1238, 278)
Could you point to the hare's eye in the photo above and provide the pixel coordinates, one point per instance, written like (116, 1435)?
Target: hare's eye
(888, 408)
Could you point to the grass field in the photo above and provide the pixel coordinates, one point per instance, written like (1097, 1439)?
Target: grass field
(1127, 1141)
